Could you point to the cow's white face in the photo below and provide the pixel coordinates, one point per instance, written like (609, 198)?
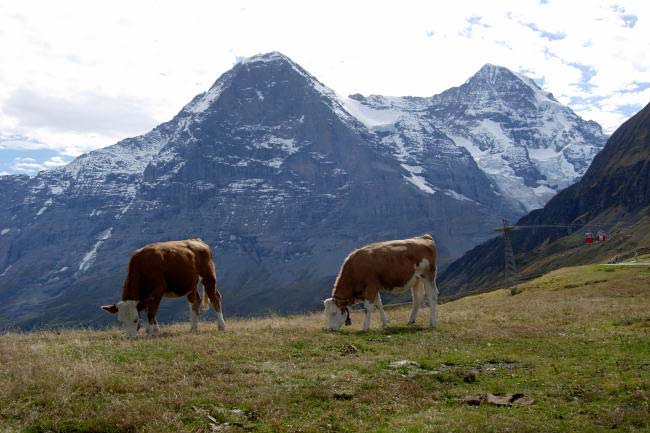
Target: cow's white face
(336, 316)
(127, 314)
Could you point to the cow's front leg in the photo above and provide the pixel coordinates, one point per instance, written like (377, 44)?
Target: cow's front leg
(195, 306)
(382, 313)
(152, 323)
(369, 306)
(432, 297)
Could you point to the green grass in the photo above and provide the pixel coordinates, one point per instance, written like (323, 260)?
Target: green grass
(576, 340)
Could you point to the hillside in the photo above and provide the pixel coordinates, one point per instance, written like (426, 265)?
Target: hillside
(575, 341)
(614, 195)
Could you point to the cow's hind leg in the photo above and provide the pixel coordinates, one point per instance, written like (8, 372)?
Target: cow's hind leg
(432, 296)
(382, 313)
(417, 293)
(209, 280)
(195, 306)
(210, 287)
(152, 323)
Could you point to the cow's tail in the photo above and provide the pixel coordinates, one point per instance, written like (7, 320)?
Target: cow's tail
(205, 299)
(435, 277)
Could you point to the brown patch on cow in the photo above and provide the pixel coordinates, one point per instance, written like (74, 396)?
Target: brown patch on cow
(383, 266)
(170, 269)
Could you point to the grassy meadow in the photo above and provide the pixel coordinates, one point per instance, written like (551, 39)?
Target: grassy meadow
(577, 341)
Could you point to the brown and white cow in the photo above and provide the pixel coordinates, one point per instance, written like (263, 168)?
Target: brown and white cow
(167, 269)
(392, 266)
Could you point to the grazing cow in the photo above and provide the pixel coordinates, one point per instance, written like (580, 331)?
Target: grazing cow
(393, 266)
(167, 269)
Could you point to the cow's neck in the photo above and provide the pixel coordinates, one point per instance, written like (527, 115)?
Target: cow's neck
(129, 294)
(342, 302)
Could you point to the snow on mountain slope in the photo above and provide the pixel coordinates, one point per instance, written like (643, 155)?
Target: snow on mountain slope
(528, 143)
(406, 131)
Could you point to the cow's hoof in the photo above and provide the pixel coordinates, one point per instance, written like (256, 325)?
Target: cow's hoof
(221, 327)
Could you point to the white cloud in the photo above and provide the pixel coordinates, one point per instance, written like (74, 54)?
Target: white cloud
(84, 112)
(55, 161)
(29, 165)
(78, 75)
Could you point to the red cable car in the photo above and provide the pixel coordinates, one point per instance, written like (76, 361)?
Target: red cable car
(601, 236)
(589, 238)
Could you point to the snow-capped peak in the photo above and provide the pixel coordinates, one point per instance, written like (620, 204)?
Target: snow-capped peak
(273, 56)
(491, 73)
(203, 101)
(336, 102)
(271, 64)
(540, 95)
(502, 80)
(519, 134)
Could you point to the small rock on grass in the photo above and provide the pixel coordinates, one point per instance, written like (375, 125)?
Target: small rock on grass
(343, 395)
(404, 363)
(517, 399)
(474, 400)
(470, 376)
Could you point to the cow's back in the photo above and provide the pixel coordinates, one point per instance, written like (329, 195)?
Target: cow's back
(392, 263)
(384, 265)
(173, 266)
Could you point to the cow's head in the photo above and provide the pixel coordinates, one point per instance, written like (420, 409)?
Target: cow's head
(336, 316)
(128, 314)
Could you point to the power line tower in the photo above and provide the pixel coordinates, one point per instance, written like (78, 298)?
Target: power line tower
(510, 270)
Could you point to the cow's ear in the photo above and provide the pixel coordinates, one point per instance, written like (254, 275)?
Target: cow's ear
(348, 321)
(110, 309)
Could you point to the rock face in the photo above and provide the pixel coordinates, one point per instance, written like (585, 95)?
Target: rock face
(529, 144)
(615, 190)
(277, 173)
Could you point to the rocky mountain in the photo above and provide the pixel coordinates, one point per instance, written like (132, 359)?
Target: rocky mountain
(613, 195)
(278, 173)
(528, 143)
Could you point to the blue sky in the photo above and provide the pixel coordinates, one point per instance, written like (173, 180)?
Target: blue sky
(77, 75)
